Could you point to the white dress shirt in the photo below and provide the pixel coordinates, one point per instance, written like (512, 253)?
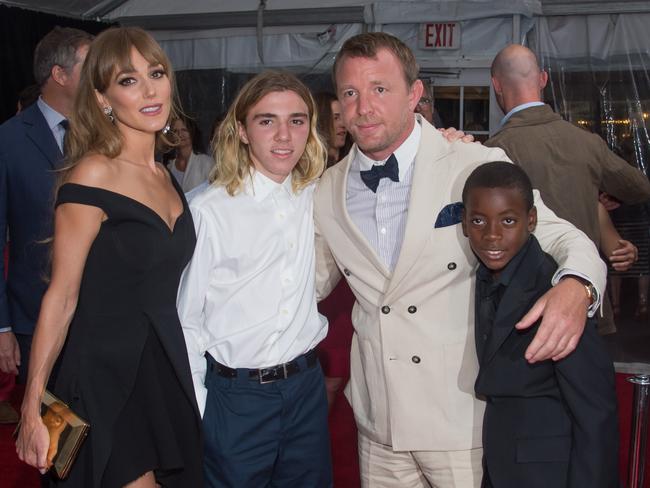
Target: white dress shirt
(381, 216)
(248, 295)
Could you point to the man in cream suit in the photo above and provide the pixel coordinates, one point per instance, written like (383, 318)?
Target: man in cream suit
(387, 217)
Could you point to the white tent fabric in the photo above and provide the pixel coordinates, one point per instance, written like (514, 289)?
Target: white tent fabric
(298, 34)
(593, 38)
(161, 7)
(236, 50)
(415, 11)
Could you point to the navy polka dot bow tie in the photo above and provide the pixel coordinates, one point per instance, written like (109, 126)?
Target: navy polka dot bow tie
(373, 176)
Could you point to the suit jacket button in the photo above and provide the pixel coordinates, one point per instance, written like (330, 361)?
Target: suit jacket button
(416, 359)
(412, 309)
(346, 272)
(385, 309)
(451, 266)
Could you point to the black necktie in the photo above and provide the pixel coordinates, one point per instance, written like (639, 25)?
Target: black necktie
(389, 170)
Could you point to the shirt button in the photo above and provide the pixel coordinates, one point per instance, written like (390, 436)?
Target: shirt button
(412, 309)
(281, 215)
(382, 198)
(451, 266)
(485, 337)
(291, 244)
(416, 359)
(383, 230)
(346, 272)
(284, 311)
(385, 309)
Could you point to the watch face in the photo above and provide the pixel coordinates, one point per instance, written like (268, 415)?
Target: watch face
(591, 292)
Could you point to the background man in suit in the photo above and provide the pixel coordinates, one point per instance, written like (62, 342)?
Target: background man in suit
(31, 148)
(568, 165)
(387, 217)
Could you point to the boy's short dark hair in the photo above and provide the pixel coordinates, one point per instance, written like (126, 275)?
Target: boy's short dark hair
(500, 174)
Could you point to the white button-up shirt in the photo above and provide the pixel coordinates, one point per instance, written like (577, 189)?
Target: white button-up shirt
(381, 216)
(248, 295)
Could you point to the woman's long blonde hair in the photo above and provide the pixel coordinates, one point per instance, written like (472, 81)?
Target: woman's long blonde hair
(91, 131)
(232, 159)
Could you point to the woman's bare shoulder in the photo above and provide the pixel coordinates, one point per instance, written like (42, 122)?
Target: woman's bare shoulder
(94, 170)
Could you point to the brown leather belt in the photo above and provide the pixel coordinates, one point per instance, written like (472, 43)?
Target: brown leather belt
(266, 375)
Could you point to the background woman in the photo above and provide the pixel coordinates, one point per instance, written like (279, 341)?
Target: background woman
(330, 127)
(190, 166)
(122, 237)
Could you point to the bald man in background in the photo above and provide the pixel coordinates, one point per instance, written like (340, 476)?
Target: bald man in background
(568, 165)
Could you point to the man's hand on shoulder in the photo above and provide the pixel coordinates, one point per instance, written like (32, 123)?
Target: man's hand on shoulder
(609, 202)
(624, 256)
(564, 313)
(452, 135)
(9, 353)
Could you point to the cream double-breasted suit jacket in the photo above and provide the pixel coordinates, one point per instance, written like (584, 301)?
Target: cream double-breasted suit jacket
(413, 359)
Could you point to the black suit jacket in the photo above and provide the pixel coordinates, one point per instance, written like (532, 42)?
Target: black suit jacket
(29, 156)
(549, 424)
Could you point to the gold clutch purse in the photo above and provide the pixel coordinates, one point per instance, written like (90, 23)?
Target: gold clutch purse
(67, 431)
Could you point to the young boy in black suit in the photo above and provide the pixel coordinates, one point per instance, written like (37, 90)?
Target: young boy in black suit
(548, 424)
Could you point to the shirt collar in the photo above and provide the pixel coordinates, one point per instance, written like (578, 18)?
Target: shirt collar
(405, 154)
(52, 117)
(260, 186)
(519, 108)
(506, 275)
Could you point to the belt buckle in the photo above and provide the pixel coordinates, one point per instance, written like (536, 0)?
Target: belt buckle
(261, 377)
(273, 380)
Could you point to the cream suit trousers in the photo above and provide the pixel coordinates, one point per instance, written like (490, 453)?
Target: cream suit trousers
(381, 467)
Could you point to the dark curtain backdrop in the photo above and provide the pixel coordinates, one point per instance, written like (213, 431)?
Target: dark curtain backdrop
(20, 31)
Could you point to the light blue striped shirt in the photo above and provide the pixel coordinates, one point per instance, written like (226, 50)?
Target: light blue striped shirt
(381, 216)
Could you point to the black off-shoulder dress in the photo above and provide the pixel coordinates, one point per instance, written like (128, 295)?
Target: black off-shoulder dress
(124, 366)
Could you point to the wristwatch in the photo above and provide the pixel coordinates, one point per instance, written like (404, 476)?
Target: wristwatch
(591, 292)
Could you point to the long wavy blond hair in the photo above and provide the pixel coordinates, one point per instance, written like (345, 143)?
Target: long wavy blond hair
(232, 158)
(91, 131)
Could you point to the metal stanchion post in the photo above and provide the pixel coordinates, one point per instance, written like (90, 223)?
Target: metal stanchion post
(639, 435)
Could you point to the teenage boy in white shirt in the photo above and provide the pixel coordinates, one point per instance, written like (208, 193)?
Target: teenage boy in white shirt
(247, 300)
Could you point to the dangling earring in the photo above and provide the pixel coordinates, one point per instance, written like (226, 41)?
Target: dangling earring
(108, 111)
(166, 129)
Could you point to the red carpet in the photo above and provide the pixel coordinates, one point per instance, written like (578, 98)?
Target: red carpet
(14, 474)
(343, 436)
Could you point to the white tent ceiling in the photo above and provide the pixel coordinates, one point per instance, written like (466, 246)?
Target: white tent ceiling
(166, 14)
(305, 34)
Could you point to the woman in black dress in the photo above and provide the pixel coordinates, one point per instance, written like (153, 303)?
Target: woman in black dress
(122, 237)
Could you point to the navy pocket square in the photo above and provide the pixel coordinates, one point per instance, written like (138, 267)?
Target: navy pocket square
(451, 214)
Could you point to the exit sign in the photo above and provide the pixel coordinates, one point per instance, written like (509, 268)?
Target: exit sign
(440, 35)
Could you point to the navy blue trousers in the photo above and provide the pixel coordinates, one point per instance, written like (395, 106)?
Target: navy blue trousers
(267, 435)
